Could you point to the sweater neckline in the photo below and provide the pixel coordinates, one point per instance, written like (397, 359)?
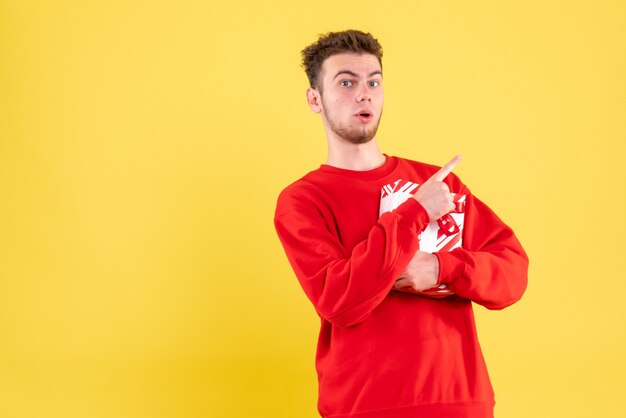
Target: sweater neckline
(375, 174)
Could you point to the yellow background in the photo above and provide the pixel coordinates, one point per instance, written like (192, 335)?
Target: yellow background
(143, 145)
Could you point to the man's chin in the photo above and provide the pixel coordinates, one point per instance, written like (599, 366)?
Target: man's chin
(362, 138)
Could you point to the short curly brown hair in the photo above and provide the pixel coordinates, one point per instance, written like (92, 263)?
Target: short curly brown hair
(333, 43)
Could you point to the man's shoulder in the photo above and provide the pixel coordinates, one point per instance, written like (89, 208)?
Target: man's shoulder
(301, 191)
(305, 183)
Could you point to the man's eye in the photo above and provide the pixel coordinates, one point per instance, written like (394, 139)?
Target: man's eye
(374, 83)
(346, 83)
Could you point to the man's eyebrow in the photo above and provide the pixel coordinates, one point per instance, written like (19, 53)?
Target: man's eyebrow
(353, 74)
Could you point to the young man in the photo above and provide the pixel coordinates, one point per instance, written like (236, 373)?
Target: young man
(391, 253)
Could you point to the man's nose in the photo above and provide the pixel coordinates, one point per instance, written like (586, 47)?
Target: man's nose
(363, 94)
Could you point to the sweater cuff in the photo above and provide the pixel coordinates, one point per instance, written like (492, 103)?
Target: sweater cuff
(451, 266)
(412, 214)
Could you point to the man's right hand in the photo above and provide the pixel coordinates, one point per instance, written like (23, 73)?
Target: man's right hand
(434, 195)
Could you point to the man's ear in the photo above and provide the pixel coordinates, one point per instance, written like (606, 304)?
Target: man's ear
(314, 99)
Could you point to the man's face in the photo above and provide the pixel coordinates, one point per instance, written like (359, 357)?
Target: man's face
(351, 97)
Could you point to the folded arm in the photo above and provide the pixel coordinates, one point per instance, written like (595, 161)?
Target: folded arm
(345, 286)
(491, 268)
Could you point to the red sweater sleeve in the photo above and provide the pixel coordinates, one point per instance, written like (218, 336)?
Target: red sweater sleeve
(491, 268)
(345, 285)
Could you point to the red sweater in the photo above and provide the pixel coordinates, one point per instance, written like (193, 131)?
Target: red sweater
(383, 353)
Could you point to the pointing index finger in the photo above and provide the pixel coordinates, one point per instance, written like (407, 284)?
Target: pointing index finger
(446, 169)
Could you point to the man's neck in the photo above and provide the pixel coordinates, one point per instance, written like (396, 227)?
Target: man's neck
(357, 157)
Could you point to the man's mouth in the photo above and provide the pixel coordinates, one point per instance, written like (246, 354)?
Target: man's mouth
(364, 116)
